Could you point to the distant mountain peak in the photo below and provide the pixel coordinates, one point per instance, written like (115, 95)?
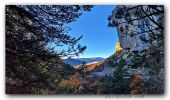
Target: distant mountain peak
(79, 61)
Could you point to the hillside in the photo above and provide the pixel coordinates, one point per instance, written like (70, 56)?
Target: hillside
(89, 66)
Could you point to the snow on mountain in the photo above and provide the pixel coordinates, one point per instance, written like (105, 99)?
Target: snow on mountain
(72, 62)
(79, 61)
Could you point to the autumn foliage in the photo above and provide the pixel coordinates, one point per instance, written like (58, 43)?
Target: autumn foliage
(118, 48)
(137, 84)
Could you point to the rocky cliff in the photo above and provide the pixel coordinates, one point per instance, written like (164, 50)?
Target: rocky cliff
(133, 32)
(140, 31)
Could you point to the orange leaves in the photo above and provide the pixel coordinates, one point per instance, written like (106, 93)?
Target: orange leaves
(91, 66)
(137, 85)
(74, 82)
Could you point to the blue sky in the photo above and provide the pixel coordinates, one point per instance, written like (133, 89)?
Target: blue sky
(97, 36)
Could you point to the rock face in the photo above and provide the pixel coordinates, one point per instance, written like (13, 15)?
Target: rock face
(135, 41)
(106, 71)
(132, 43)
(129, 40)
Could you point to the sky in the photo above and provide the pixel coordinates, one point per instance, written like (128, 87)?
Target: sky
(97, 36)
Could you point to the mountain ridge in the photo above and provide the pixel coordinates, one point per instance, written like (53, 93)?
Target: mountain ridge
(79, 61)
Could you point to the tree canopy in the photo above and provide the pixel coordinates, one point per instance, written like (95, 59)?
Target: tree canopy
(35, 36)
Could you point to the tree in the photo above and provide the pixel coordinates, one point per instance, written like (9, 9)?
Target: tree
(34, 36)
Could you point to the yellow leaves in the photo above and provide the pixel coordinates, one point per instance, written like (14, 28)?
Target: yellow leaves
(118, 48)
(74, 82)
(64, 82)
(70, 83)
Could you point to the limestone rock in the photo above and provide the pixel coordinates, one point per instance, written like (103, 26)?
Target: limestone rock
(129, 40)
